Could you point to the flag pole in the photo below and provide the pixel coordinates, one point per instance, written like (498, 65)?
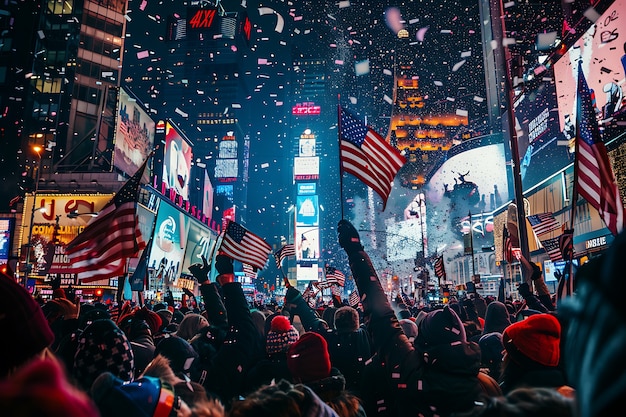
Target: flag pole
(339, 149)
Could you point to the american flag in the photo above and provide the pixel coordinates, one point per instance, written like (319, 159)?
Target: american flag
(243, 245)
(335, 276)
(594, 176)
(440, 270)
(552, 248)
(367, 155)
(310, 291)
(284, 252)
(322, 285)
(565, 286)
(249, 271)
(102, 249)
(336, 291)
(543, 223)
(566, 244)
(354, 299)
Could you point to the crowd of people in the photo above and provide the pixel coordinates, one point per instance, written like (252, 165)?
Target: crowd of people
(474, 356)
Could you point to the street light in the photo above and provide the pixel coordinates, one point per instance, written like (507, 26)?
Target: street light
(29, 244)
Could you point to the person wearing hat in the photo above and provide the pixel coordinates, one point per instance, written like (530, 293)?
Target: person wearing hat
(280, 336)
(309, 363)
(438, 374)
(532, 353)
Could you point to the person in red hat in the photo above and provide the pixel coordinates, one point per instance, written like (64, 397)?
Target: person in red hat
(532, 354)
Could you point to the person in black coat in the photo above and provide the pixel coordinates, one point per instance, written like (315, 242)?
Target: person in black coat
(437, 376)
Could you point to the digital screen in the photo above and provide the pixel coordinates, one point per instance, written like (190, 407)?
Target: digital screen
(176, 161)
(307, 213)
(200, 242)
(307, 243)
(134, 137)
(6, 227)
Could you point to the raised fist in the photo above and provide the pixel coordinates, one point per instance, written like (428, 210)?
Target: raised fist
(348, 237)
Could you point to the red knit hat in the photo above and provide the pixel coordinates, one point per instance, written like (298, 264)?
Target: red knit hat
(537, 339)
(308, 359)
(280, 336)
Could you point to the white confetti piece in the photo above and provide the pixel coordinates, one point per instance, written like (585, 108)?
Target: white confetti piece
(362, 67)
(353, 100)
(338, 62)
(466, 54)
(494, 44)
(458, 65)
(461, 112)
(387, 72)
(438, 83)
(478, 99)
(143, 54)
(387, 99)
(182, 113)
(343, 4)
(395, 375)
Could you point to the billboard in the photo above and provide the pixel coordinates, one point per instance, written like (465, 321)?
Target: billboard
(600, 50)
(168, 245)
(543, 149)
(306, 168)
(307, 210)
(207, 196)
(6, 228)
(57, 220)
(176, 161)
(307, 271)
(134, 137)
(200, 242)
(307, 243)
(404, 239)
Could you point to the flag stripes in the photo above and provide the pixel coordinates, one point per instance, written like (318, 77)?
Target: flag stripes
(244, 246)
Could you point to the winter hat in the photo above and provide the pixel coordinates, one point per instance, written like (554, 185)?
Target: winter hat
(404, 314)
(308, 359)
(179, 352)
(491, 348)
(535, 339)
(440, 327)
(103, 347)
(166, 316)
(408, 327)
(146, 397)
(152, 318)
(40, 388)
(159, 306)
(280, 336)
(497, 318)
(346, 319)
(22, 324)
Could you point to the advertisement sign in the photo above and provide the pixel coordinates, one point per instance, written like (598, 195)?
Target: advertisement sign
(543, 149)
(168, 246)
(308, 108)
(134, 137)
(57, 220)
(306, 168)
(308, 271)
(307, 243)
(6, 228)
(307, 188)
(307, 213)
(200, 242)
(306, 145)
(176, 161)
(601, 52)
(207, 196)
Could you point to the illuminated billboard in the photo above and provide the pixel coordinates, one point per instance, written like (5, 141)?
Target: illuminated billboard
(307, 210)
(600, 50)
(207, 196)
(543, 149)
(306, 168)
(176, 161)
(306, 109)
(6, 229)
(168, 245)
(307, 271)
(200, 242)
(307, 243)
(134, 138)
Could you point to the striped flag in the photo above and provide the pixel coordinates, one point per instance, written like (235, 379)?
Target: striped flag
(565, 285)
(111, 238)
(243, 245)
(367, 155)
(553, 249)
(249, 271)
(336, 291)
(310, 291)
(335, 276)
(322, 285)
(566, 244)
(354, 299)
(594, 177)
(284, 252)
(440, 270)
(543, 223)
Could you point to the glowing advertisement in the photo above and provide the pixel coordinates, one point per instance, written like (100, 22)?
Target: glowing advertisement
(307, 272)
(57, 220)
(307, 188)
(200, 242)
(543, 149)
(134, 138)
(207, 196)
(307, 210)
(6, 227)
(601, 52)
(307, 243)
(306, 146)
(176, 161)
(168, 245)
(306, 168)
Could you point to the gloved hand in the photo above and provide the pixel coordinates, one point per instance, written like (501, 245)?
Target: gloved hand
(348, 237)
(201, 271)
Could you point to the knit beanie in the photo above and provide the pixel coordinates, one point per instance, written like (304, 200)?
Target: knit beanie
(23, 325)
(536, 339)
(308, 359)
(346, 319)
(103, 347)
(491, 348)
(440, 327)
(150, 317)
(280, 336)
(146, 397)
(179, 352)
(41, 388)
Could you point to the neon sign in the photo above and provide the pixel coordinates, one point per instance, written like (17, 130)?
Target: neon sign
(305, 109)
(202, 19)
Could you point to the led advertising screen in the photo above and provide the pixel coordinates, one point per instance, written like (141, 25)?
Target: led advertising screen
(306, 168)
(200, 242)
(307, 213)
(134, 138)
(307, 271)
(176, 161)
(600, 50)
(207, 196)
(543, 149)
(168, 245)
(307, 243)
(6, 228)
